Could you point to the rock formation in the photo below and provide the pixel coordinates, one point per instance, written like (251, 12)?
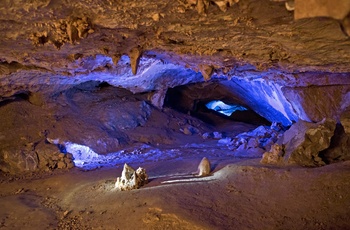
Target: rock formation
(131, 179)
(204, 167)
(310, 144)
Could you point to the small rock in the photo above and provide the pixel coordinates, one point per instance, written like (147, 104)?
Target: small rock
(156, 17)
(21, 190)
(187, 131)
(55, 158)
(61, 165)
(70, 165)
(206, 135)
(274, 156)
(67, 161)
(69, 155)
(66, 213)
(225, 141)
(217, 135)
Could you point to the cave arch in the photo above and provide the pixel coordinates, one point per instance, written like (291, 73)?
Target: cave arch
(193, 98)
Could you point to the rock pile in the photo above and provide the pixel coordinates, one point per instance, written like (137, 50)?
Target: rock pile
(255, 142)
(35, 156)
(59, 161)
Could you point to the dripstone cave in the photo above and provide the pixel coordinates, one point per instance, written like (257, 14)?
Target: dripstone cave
(182, 114)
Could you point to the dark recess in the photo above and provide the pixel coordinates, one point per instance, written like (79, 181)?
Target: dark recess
(193, 101)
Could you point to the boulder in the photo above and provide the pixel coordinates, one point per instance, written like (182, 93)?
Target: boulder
(304, 141)
(339, 146)
(340, 143)
(18, 161)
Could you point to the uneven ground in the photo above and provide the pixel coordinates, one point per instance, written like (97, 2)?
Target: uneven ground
(239, 195)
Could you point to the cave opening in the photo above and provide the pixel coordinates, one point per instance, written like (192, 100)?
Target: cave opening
(215, 105)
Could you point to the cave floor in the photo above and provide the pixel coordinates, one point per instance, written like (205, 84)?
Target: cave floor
(240, 194)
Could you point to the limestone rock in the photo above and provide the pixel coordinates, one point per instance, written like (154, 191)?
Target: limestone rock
(157, 98)
(345, 24)
(345, 121)
(274, 156)
(134, 55)
(262, 138)
(290, 5)
(224, 4)
(339, 146)
(336, 9)
(61, 165)
(131, 179)
(18, 161)
(51, 158)
(206, 71)
(189, 130)
(304, 141)
(202, 6)
(204, 167)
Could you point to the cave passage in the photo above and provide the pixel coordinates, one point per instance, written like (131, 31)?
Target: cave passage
(214, 104)
(223, 108)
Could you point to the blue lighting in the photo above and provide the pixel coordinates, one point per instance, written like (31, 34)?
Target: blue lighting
(81, 153)
(223, 108)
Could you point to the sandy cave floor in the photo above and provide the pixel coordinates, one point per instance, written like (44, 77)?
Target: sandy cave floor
(241, 194)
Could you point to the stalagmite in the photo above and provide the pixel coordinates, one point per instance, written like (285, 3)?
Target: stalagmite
(204, 167)
(131, 179)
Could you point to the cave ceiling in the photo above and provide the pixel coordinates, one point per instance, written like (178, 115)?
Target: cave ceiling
(50, 35)
(54, 42)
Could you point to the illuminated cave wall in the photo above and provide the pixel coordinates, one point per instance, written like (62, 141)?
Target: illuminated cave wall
(98, 106)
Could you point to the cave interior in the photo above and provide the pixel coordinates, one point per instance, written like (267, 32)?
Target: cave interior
(253, 86)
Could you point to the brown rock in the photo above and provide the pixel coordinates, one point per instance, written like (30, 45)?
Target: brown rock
(61, 165)
(206, 71)
(70, 165)
(304, 141)
(134, 54)
(274, 156)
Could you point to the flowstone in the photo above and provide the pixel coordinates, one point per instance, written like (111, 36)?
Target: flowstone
(131, 179)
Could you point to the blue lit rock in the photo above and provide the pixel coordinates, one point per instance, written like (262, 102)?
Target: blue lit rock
(254, 143)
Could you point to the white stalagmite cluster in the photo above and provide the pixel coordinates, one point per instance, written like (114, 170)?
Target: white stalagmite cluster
(131, 179)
